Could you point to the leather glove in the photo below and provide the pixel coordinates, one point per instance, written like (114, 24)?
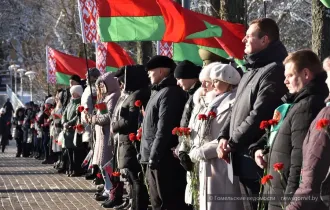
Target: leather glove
(185, 161)
(153, 164)
(138, 157)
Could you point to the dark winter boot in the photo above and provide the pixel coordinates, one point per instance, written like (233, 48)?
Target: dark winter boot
(116, 195)
(92, 175)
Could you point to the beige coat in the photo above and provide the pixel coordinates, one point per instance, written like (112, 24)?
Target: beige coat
(87, 102)
(213, 174)
(103, 151)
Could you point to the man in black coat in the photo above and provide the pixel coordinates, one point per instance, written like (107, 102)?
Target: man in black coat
(258, 94)
(165, 175)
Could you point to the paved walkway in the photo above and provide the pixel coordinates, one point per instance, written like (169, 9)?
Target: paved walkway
(26, 184)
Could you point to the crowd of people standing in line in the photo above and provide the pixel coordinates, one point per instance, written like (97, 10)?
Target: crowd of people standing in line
(171, 136)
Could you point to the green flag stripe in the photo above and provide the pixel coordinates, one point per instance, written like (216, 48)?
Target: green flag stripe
(184, 51)
(326, 3)
(111, 69)
(117, 29)
(211, 31)
(63, 79)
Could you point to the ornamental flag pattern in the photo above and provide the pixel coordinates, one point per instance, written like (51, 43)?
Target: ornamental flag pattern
(88, 17)
(101, 56)
(166, 49)
(51, 66)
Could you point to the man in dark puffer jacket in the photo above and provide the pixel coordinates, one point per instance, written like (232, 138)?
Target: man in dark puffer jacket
(305, 80)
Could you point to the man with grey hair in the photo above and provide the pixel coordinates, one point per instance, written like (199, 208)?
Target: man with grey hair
(87, 102)
(166, 177)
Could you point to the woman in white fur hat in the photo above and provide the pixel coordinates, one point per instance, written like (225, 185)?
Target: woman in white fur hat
(212, 172)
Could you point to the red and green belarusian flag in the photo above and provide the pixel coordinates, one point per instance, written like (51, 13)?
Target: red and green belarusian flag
(111, 56)
(129, 20)
(61, 66)
(182, 25)
(139, 20)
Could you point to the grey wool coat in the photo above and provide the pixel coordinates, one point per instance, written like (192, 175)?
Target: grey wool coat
(103, 150)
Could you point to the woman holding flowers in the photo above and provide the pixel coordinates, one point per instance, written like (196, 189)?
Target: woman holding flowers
(211, 110)
(108, 93)
(56, 127)
(69, 120)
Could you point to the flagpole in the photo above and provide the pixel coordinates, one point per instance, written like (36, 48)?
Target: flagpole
(88, 74)
(186, 4)
(265, 8)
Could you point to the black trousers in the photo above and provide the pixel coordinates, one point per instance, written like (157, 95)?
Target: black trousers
(19, 145)
(139, 190)
(167, 185)
(75, 159)
(250, 187)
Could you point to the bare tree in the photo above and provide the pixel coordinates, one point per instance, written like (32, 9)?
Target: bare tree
(320, 29)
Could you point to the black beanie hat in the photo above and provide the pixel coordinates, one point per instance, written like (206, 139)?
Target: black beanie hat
(75, 78)
(187, 70)
(160, 61)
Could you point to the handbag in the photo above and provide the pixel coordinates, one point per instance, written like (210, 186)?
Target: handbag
(60, 138)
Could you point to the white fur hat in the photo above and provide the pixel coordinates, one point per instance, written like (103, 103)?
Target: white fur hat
(50, 100)
(205, 73)
(77, 89)
(225, 73)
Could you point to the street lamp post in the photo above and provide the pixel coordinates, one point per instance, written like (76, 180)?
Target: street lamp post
(14, 68)
(21, 74)
(31, 75)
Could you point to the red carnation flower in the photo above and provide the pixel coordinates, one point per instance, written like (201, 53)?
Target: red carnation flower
(91, 166)
(322, 123)
(8, 123)
(85, 161)
(202, 117)
(81, 108)
(175, 131)
(99, 175)
(212, 114)
(80, 128)
(138, 137)
(278, 166)
(56, 141)
(272, 122)
(116, 174)
(138, 103)
(266, 179)
(186, 131)
(132, 137)
(86, 109)
(264, 124)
